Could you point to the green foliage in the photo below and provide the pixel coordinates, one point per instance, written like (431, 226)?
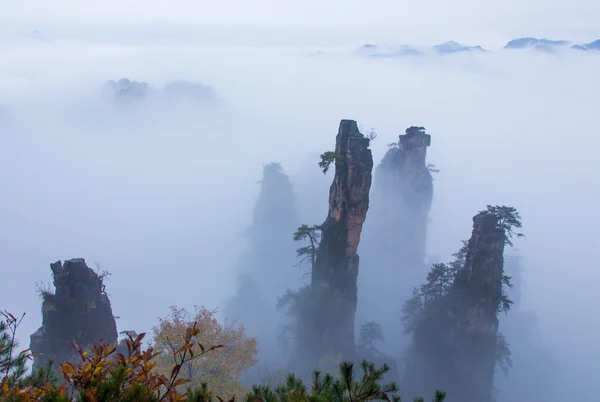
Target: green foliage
(503, 354)
(440, 279)
(298, 304)
(370, 332)
(106, 375)
(440, 396)
(460, 256)
(413, 312)
(327, 158)
(505, 303)
(428, 299)
(508, 219)
(298, 307)
(12, 364)
(415, 130)
(273, 378)
(313, 235)
(346, 387)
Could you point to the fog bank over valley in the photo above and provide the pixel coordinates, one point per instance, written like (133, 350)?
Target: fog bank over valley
(169, 180)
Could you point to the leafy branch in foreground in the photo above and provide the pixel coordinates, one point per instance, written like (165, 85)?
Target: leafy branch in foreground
(12, 368)
(346, 387)
(104, 374)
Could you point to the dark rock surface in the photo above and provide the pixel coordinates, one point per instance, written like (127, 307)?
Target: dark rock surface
(478, 292)
(79, 310)
(334, 279)
(455, 343)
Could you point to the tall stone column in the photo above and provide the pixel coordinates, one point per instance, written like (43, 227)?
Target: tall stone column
(404, 192)
(334, 279)
(477, 293)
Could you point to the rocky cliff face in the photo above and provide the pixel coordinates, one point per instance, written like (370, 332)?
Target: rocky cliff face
(395, 235)
(477, 292)
(78, 309)
(455, 342)
(404, 192)
(334, 278)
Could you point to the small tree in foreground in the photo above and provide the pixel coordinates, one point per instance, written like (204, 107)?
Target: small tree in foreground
(12, 364)
(220, 371)
(105, 374)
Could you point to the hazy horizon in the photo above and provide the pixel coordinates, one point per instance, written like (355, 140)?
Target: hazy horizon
(309, 22)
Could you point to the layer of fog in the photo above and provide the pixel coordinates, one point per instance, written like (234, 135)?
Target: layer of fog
(159, 196)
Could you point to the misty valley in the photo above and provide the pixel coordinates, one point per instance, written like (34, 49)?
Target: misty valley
(223, 242)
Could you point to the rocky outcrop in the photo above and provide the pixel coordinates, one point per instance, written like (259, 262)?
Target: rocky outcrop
(335, 273)
(477, 293)
(79, 310)
(265, 268)
(455, 341)
(403, 192)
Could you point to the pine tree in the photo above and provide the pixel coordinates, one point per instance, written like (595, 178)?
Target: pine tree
(308, 252)
(12, 364)
(370, 332)
(440, 312)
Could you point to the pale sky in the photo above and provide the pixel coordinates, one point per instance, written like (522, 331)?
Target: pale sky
(403, 21)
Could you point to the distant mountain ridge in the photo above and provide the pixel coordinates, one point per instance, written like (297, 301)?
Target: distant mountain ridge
(450, 47)
(535, 43)
(549, 45)
(388, 51)
(595, 45)
(454, 47)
